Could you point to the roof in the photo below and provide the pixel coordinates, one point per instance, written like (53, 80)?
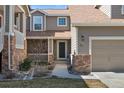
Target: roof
(53, 12)
(49, 33)
(27, 9)
(87, 15)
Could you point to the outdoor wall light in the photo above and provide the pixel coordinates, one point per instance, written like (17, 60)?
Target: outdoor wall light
(82, 37)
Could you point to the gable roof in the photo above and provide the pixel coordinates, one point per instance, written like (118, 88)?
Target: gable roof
(27, 9)
(53, 12)
(87, 15)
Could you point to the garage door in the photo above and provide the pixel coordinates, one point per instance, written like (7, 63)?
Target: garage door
(108, 55)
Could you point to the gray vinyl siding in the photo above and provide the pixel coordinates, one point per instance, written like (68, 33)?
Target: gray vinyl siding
(28, 23)
(83, 46)
(106, 9)
(7, 18)
(116, 11)
(51, 23)
(21, 22)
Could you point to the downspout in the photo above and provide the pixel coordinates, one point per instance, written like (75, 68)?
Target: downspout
(9, 37)
(9, 51)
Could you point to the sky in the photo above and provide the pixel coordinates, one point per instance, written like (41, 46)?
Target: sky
(48, 6)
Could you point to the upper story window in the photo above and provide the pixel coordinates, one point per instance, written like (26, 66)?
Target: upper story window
(37, 23)
(62, 21)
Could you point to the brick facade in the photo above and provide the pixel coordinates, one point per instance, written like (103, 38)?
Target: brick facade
(81, 64)
(16, 55)
(50, 58)
(5, 56)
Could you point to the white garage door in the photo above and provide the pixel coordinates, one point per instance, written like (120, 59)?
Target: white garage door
(108, 55)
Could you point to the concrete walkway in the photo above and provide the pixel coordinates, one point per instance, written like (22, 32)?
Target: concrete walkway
(111, 79)
(60, 70)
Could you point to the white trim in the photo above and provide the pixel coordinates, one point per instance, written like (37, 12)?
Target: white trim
(58, 49)
(101, 38)
(41, 23)
(61, 25)
(62, 15)
(28, 10)
(42, 11)
(52, 46)
(11, 23)
(20, 7)
(50, 40)
(39, 11)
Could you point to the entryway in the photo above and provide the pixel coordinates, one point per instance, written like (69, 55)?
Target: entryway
(0, 62)
(61, 71)
(61, 49)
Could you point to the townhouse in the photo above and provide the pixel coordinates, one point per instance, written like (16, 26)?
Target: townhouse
(48, 35)
(93, 35)
(97, 38)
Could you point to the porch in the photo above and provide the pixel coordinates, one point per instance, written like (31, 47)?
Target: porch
(48, 49)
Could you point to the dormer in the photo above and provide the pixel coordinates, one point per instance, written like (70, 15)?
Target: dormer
(37, 20)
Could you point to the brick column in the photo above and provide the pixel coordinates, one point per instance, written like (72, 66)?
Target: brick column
(81, 64)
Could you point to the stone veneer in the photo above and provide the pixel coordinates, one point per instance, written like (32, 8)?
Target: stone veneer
(51, 58)
(81, 64)
(17, 55)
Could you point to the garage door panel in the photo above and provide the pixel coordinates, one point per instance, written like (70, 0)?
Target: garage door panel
(108, 55)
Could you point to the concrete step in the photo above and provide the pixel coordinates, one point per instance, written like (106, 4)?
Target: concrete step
(60, 62)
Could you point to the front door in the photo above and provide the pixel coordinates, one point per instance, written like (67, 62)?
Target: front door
(62, 49)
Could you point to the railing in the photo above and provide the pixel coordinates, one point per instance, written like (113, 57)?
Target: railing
(1, 39)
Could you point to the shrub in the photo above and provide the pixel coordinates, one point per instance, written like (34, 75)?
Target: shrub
(26, 65)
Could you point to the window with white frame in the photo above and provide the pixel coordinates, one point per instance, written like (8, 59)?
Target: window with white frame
(37, 23)
(62, 21)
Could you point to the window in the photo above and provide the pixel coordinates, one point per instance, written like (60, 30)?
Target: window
(62, 21)
(37, 23)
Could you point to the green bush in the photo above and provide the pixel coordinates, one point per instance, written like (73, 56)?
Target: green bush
(26, 65)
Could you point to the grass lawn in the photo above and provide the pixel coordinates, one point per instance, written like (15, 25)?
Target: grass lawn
(47, 83)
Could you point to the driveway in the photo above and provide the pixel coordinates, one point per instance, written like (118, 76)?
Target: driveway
(111, 79)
